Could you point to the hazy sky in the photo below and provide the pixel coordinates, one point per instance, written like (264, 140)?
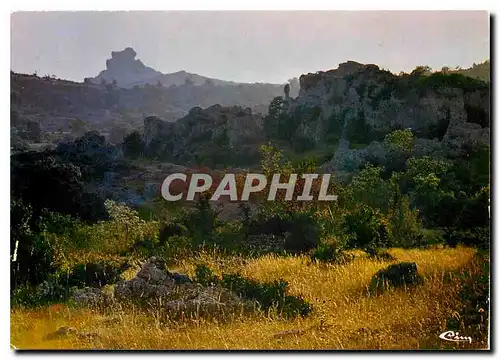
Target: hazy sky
(246, 46)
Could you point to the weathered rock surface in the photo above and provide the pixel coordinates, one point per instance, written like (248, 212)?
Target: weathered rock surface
(220, 135)
(360, 104)
(173, 292)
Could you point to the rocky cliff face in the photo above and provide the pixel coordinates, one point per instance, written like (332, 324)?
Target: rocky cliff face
(356, 105)
(213, 136)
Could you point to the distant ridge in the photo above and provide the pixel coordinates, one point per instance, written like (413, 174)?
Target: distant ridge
(127, 71)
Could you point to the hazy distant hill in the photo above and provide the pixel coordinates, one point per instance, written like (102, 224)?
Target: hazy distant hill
(128, 71)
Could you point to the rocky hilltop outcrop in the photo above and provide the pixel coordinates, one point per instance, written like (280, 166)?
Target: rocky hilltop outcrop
(127, 71)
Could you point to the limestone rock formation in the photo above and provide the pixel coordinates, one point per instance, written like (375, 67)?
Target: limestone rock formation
(218, 134)
(360, 104)
(175, 292)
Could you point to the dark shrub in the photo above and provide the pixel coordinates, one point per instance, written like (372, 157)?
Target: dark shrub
(330, 254)
(378, 254)
(169, 230)
(396, 275)
(274, 225)
(205, 276)
(31, 253)
(479, 237)
(304, 233)
(96, 274)
(267, 295)
(202, 222)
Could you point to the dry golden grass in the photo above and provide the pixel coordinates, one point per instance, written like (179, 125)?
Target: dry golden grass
(345, 315)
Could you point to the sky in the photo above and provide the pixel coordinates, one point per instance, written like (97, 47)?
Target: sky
(247, 46)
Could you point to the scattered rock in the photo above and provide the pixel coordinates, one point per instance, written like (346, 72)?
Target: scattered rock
(61, 332)
(175, 293)
(92, 297)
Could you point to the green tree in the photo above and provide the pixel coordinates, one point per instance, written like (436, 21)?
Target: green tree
(368, 187)
(133, 146)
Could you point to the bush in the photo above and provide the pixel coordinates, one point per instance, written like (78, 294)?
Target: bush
(267, 295)
(177, 245)
(96, 274)
(479, 237)
(378, 254)
(31, 253)
(405, 228)
(119, 234)
(367, 228)
(169, 230)
(304, 233)
(202, 222)
(274, 225)
(396, 275)
(205, 276)
(433, 236)
(330, 253)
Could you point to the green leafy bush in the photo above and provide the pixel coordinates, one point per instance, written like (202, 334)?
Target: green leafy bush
(379, 254)
(31, 253)
(367, 227)
(330, 253)
(405, 228)
(95, 274)
(267, 295)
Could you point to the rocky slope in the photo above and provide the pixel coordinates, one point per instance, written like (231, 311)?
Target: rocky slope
(46, 110)
(356, 105)
(213, 136)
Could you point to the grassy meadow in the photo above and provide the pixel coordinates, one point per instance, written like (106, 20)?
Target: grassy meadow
(345, 315)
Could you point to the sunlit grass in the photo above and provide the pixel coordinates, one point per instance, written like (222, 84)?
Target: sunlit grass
(345, 316)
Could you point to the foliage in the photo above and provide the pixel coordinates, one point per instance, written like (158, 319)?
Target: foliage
(379, 254)
(478, 236)
(124, 229)
(396, 275)
(331, 253)
(133, 145)
(95, 274)
(404, 225)
(368, 187)
(201, 224)
(268, 295)
(31, 253)
(48, 183)
(304, 233)
(367, 228)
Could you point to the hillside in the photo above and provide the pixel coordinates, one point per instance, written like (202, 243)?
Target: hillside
(480, 71)
(341, 117)
(65, 109)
